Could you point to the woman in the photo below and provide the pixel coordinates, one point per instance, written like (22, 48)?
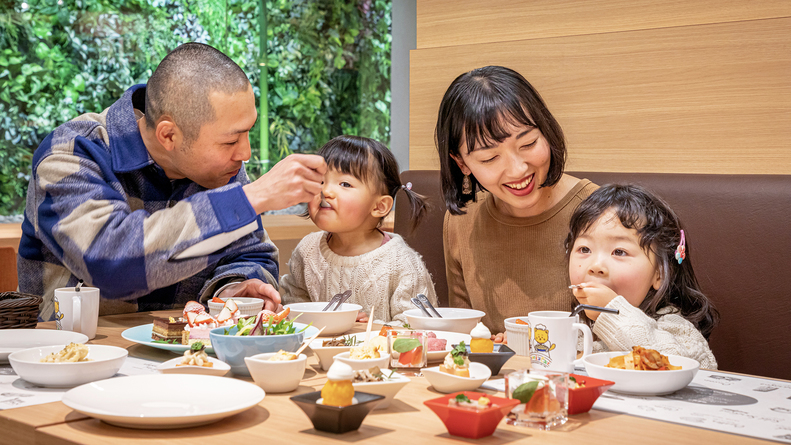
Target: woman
(502, 156)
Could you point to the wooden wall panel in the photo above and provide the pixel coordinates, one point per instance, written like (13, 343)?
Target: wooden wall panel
(467, 22)
(698, 99)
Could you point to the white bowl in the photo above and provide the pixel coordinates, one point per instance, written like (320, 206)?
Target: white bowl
(12, 340)
(453, 319)
(326, 354)
(518, 336)
(333, 322)
(383, 362)
(276, 377)
(105, 363)
(388, 388)
(448, 383)
(219, 367)
(247, 306)
(642, 382)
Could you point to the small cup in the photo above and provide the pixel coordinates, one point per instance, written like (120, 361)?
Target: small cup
(553, 346)
(407, 348)
(519, 337)
(77, 310)
(544, 398)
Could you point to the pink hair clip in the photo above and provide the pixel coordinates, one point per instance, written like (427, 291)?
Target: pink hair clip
(408, 186)
(681, 250)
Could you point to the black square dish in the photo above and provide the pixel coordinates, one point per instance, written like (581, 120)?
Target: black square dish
(337, 419)
(493, 360)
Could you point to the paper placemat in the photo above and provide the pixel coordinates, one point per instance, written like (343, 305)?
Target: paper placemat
(730, 403)
(16, 392)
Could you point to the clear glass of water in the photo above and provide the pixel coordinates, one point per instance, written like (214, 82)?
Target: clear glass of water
(544, 396)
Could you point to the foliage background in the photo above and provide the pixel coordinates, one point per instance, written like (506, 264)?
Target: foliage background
(328, 67)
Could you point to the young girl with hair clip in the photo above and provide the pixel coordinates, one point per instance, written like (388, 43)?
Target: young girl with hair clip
(351, 252)
(627, 251)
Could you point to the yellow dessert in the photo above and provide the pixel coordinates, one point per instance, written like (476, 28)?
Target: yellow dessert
(363, 352)
(283, 356)
(338, 391)
(456, 362)
(481, 339)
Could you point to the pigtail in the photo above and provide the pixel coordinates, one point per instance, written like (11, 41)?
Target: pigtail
(418, 206)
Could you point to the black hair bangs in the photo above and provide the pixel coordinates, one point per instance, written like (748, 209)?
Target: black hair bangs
(352, 156)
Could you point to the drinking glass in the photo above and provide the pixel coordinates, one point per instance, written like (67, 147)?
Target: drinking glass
(407, 348)
(544, 396)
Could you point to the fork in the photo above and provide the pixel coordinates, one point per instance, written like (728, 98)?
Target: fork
(338, 300)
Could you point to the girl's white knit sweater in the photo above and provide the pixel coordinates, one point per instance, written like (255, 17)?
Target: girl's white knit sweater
(388, 276)
(670, 334)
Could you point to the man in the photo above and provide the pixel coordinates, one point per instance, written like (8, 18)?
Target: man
(149, 200)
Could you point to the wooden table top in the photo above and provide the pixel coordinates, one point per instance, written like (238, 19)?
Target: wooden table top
(278, 420)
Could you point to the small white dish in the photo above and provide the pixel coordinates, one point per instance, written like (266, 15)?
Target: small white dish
(161, 401)
(448, 383)
(388, 388)
(383, 362)
(453, 338)
(105, 363)
(333, 322)
(174, 366)
(453, 319)
(644, 383)
(247, 306)
(276, 377)
(13, 340)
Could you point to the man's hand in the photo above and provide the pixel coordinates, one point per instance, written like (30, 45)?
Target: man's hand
(254, 288)
(594, 294)
(295, 179)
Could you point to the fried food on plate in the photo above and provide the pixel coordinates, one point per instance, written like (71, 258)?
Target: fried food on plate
(642, 359)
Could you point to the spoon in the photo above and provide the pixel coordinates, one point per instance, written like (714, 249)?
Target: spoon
(308, 341)
(588, 307)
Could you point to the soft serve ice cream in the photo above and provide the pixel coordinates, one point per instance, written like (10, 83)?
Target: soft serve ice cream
(481, 339)
(338, 391)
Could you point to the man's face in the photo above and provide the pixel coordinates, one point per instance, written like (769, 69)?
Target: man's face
(216, 155)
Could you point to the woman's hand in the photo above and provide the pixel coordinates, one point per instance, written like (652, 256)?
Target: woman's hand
(500, 337)
(362, 317)
(254, 288)
(594, 294)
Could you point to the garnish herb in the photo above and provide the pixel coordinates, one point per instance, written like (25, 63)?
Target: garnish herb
(461, 398)
(167, 342)
(405, 344)
(197, 346)
(458, 353)
(525, 391)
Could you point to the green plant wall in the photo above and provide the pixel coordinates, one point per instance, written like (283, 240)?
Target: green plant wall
(328, 67)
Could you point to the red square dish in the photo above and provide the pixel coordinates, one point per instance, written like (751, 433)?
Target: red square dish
(581, 399)
(471, 423)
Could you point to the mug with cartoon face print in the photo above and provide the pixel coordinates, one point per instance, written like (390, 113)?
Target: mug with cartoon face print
(553, 345)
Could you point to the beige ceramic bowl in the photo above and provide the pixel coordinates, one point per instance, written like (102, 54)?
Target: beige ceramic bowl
(276, 377)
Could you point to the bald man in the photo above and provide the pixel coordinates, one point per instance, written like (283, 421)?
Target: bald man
(149, 200)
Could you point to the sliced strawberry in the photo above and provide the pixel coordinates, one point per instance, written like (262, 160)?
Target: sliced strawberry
(225, 315)
(191, 316)
(231, 306)
(203, 319)
(217, 300)
(194, 306)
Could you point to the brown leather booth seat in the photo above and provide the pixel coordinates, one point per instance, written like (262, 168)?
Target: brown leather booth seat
(738, 230)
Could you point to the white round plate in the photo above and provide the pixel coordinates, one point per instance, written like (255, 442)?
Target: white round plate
(218, 368)
(448, 383)
(644, 383)
(162, 401)
(13, 340)
(142, 335)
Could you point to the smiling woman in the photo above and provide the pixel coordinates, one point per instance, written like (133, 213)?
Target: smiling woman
(502, 156)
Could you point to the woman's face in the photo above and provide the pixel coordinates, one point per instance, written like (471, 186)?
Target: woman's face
(512, 170)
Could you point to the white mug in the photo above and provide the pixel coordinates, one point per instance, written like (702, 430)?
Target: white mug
(553, 345)
(77, 310)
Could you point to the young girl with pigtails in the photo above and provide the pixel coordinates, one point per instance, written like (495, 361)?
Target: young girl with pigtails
(351, 252)
(627, 251)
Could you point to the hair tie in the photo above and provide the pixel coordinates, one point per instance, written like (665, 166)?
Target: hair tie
(408, 186)
(681, 250)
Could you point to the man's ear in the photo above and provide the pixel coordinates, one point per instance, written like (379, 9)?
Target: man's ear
(460, 162)
(382, 206)
(168, 133)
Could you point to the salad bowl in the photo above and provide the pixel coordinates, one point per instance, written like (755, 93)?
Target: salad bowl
(232, 348)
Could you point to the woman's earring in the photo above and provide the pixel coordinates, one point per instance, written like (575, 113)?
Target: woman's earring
(466, 185)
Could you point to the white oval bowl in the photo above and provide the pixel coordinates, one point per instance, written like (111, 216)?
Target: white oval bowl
(453, 319)
(247, 306)
(388, 388)
(219, 368)
(333, 322)
(13, 340)
(105, 363)
(642, 382)
(448, 383)
(382, 362)
(276, 377)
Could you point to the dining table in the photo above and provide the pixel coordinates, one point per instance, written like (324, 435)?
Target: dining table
(276, 419)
